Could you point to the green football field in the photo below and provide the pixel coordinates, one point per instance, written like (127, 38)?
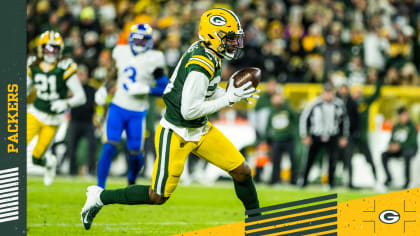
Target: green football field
(55, 210)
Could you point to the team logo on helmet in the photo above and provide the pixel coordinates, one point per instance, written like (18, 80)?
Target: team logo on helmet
(218, 20)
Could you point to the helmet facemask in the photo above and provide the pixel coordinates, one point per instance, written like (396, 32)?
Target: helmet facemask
(233, 44)
(140, 42)
(51, 53)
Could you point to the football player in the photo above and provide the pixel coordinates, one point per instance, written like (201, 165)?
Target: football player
(53, 78)
(140, 73)
(191, 95)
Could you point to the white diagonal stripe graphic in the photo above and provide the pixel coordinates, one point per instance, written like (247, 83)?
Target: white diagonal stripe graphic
(9, 204)
(9, 170)
(9, 199)
(9, 190)
(8, 214)
(9, 175)
(9, 185)
(8, 195)
(9, 219)
(9, 209)
(9, 180)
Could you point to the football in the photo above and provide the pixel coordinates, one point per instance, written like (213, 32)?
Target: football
(244, 75)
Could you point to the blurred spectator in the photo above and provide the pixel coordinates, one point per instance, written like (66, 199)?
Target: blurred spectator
(355, 71)
(409, 75)
(335, 54)
(346, 153)
(314, 42)
(259, 118)
(280, 133)
(360, 136)
(375, 49)
(282, 37)
(81, 125)
(324, 124)
(403, 144)
(316, 72)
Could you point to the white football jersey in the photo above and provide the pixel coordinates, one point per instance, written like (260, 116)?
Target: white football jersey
(134, 69)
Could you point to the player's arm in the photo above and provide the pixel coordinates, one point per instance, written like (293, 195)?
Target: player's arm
(161, 82)
(29, 82)
(74, 85)
(193, 103)
(79, 96)
(140, 88)
(304, 122)
(220, 92)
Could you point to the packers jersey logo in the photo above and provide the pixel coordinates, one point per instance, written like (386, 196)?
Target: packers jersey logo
(218, 20)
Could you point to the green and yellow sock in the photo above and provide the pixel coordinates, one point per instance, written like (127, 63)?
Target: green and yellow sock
(41, 161)
(247, 193)
(131, 195)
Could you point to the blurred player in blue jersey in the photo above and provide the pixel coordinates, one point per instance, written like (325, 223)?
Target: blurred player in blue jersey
(140, 73)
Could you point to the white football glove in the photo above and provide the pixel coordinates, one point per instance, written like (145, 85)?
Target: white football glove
(59, 105)
(138, 89)
(244, 92)
(100, 96)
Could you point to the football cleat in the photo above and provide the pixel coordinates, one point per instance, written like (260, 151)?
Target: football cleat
(92, 205)
(50, 169)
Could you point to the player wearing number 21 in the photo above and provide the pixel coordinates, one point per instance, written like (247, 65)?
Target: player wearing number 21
(191, 95)
(53, 77)
(140, 73)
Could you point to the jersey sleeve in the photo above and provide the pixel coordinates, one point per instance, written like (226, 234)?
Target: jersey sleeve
(160, 60)
(69, 67)
(116, 52)
(201, 63)
(29, 62)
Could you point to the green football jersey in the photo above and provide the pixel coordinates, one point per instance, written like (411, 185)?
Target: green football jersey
(196, 58)
(50, 86)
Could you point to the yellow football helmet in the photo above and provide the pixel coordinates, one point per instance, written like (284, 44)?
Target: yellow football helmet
(221, 31)
(50, 46)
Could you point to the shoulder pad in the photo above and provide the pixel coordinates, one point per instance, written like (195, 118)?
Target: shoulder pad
(65, 63)
(30, 60)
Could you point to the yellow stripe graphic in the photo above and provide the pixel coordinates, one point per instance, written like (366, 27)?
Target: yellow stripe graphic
(196, 62)
(205, 59)
(70, 71)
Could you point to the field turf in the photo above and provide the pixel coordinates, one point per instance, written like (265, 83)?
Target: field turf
(55, 210)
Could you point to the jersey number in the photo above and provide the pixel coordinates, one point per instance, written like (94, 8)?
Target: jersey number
(46, 87)
(131, 74)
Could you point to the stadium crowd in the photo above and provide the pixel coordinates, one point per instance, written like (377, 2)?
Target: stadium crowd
(341, 43)
(292, 40)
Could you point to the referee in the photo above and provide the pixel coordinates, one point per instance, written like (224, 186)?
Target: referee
(324, 124)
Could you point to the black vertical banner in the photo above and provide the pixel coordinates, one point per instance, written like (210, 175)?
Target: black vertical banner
(13, 117)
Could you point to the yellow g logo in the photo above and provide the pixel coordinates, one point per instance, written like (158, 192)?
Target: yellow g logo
(218, 20)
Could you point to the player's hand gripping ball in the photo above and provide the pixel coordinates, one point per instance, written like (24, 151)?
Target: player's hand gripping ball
(242, 76)
(242, 84)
